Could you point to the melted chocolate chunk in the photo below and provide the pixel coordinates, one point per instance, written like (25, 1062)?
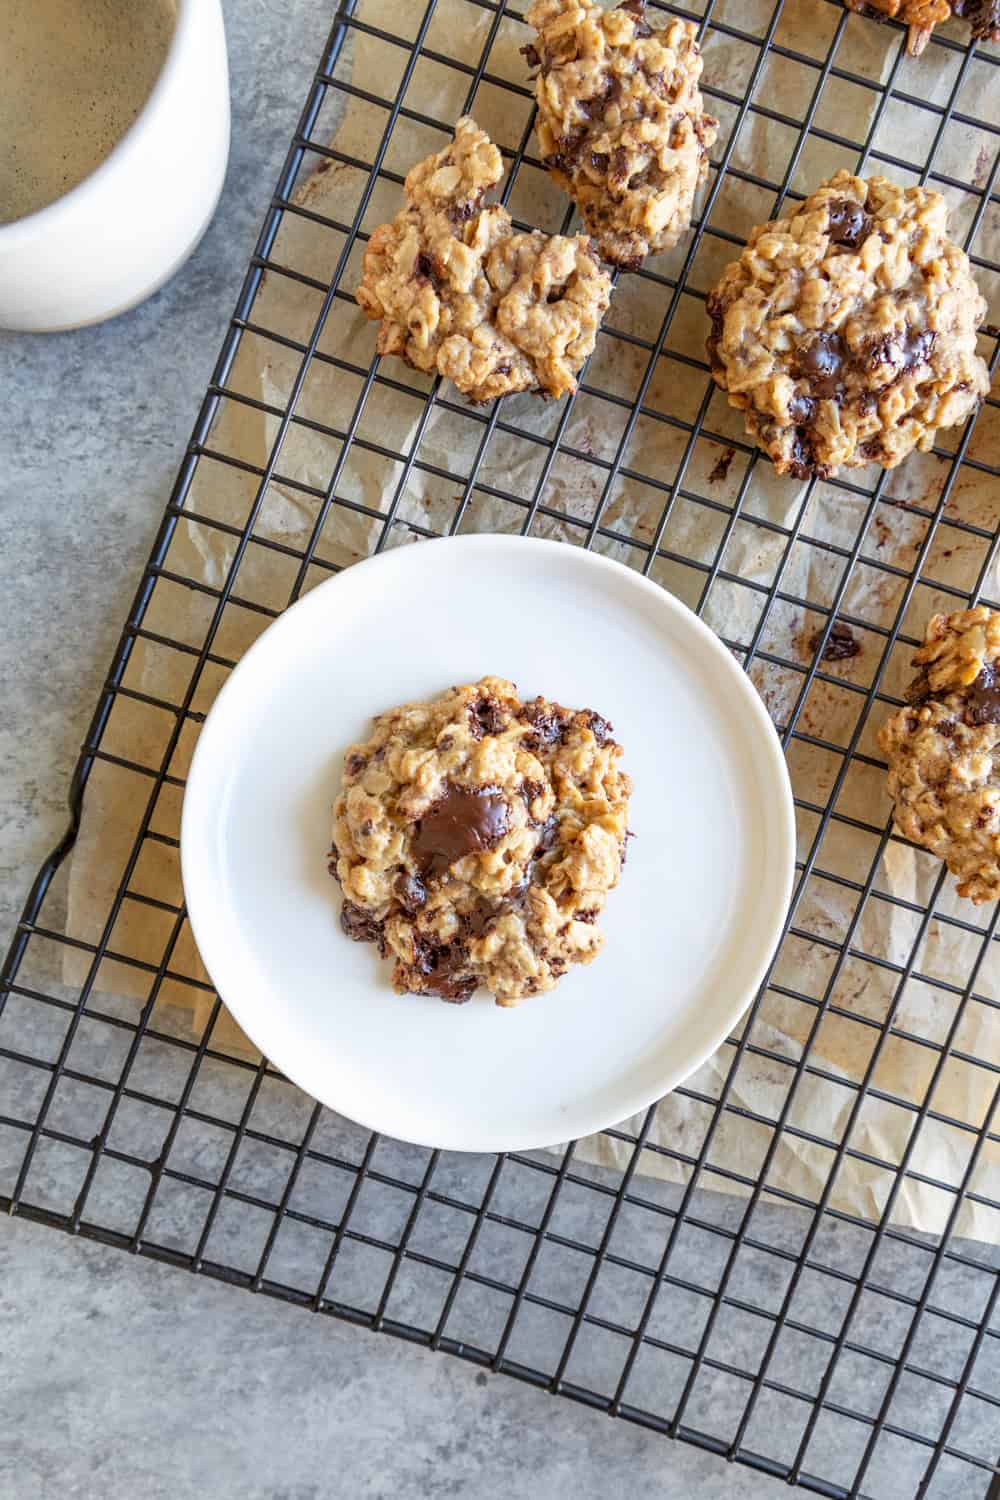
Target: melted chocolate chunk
(362, 926)
(982, 698)
(619, 164)
(841, 643)
(461, 823)
(599, 160)
(848, 223)
(476, 921)
(590, 914)
(486, 716)
(531, 55)
(459, 212)
(411, 893)
(440, 968)
(599, 728)
(821, 362)
(355, 764)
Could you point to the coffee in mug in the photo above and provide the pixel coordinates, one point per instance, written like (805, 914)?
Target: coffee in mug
(76, 73)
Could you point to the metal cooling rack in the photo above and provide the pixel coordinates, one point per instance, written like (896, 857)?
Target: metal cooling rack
(847, 1357)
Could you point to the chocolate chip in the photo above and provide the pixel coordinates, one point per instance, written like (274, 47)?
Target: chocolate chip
(848, 223)
(547, 726)
(362, 926)
(424, 267)
(355, 763)
(904, 352)
(462, 822)
(982, 15)
(948, 730)
(599, 728)
(531, 55)
(801, 409)
(802, 460)
(619, 164)
(459, 212)
(841, 644)
(486, 717)
(715, 308)
(411, 893)
(637, 8)
(599, 160)
(597, 105)
(564, 158)
(548, 836)
(919, 689)
(590, 914)
(530, 790)
(982, 698)
(821, 363)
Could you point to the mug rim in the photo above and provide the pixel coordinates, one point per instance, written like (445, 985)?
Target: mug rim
(24, 228)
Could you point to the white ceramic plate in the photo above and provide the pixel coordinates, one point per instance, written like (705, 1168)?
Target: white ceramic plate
(690, 928)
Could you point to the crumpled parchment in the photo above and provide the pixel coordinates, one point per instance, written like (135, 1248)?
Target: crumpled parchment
(897, 960)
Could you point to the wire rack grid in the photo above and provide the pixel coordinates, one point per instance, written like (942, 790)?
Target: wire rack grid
(850, 1356)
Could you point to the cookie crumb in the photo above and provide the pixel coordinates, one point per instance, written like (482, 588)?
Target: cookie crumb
(840, 645)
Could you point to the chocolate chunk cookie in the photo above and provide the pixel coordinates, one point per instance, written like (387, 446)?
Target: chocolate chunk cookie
(621, 122)
(460, 294)
(944, 750)
(921, 16)
(476, 837)
(846, 331)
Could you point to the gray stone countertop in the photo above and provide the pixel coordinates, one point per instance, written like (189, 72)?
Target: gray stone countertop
(120, 1376)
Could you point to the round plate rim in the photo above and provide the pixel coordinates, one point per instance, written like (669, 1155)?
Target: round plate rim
(782, 812)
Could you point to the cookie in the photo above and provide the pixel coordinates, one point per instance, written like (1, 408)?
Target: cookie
(921, 17)
(476, 838)
(943, 750)
(621, 122)
(458, 293)
(846, 331)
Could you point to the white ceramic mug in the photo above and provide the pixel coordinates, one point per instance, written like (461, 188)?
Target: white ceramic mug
(124, 230)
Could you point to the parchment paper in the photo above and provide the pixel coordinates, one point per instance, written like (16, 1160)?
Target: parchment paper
(891, 937)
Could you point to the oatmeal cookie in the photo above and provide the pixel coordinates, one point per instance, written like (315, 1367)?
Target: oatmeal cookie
(476, 838)
(944, 750)
(846, 331)
(460, 294)
(621, 122)
(921, 17)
